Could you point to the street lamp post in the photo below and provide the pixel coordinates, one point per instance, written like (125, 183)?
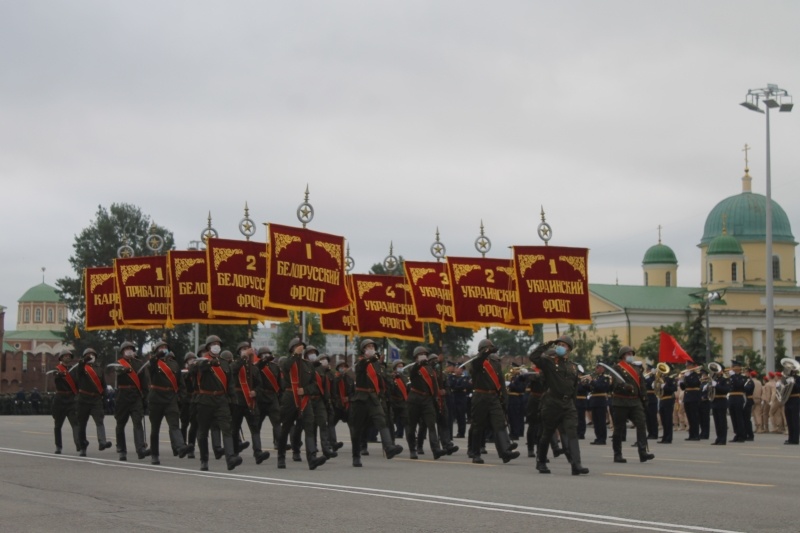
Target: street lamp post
(772, 96)
(709, 297)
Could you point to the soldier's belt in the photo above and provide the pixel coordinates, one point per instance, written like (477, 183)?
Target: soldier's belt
(720, 397)
(737, 394)
(692, 388)
(212, 392)
(422, 392)
(87, 393)
(156, 387)
(667, 397)
(580, 397)
(484, 391)
(365, 389)
(625, 396)
(599, 395)
(537, 394)
(794, 396)
(515, 394)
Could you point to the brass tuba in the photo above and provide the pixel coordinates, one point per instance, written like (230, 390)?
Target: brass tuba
(713, 370)
(786, 384)
(662, 369)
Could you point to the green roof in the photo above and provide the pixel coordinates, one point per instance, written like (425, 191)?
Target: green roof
(659, 253)
(641, 297)
(35, 335)
(724, 245)
(40, 293)
(8, 348)
(746, 219)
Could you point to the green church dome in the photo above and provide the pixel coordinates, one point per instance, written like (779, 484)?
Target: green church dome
(746, 218)
(40, 293)
(659, 253)
(724, 245)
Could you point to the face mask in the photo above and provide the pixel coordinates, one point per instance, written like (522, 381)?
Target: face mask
(422, 359)
(324, 363)
(398, 369)
(91, 360)
(629, 359)
(215, 349)
(561, 351)
(369, 352)
(731, 373)
(312, 357)
(128, 353)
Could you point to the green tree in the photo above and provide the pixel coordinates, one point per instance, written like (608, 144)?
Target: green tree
(696, 338)
(753, 360)
(513, 342)
(780, 349)
(648, 350)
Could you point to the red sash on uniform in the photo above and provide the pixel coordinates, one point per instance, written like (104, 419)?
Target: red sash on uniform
(373, 377)
(343, 393)
(634, 374)
(402, 386)
(168, 372)
(294, 374)
(487, 366)
(427, 377)
(133, 374)
(221, 377)
(245, 387)
(271, 377)
(320, 384)
(68, 378)
(93, 376)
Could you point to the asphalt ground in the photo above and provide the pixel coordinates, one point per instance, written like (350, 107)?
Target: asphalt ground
(690, 487)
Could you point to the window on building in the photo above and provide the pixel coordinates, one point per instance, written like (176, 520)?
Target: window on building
(27, 316)
(669, 279)
(61, 315)
(733, 272)
(710, 273)
(37, 315)
(50, 316)
(646, 280)
(776, 267)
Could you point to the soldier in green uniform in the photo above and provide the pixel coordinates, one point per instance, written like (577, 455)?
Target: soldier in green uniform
(64, 400)
(320, 398)
(366, 405)
(129, 403)
(557, 407)
(244, 404)
(213, 407)
(300, 387)
(488, 401)
(443, 423)
(269, 393)
(424, 391)
(628, 402)
(188, 405)
(91, 390)
(162, 400)
(328, 376)
(398, 396)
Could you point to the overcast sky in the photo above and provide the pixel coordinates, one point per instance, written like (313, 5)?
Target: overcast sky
(401, 117)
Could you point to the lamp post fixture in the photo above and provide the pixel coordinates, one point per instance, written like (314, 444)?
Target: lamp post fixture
(772, 96)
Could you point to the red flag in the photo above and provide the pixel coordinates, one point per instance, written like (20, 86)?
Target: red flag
(669, 351)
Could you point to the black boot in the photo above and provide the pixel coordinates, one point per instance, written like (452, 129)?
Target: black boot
(643, 455)
(311, 453)
(178, 445)
(57, 435)
(231, 458)
(142, 450)
(386, 441)
(616, 445)
(101, 438)
(202, 444)
(503, 445)
(258, 453)
(575, 454)
(541, 457)
(216, 443)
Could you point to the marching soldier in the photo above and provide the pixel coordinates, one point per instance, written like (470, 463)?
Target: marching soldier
(328, 376)
(300, 386)
(461, 386)
(213, 407)
(651, 412)
(269, 393)
(398, 396)
(320, 398)
(91, 389)
(719, 407)
(581, 403)
(629, 400)
(162, 401)
(516, 402)
(737, 401)
(129, 403)
(443, 424)
(488, 403)
(666, 408)
(558, 402)
(189, 405)
(690, 385)
(600, 386)
(244, 404)
(424, 392)
(536, 388)
(366, 405)
(343, 389)
(64, 400)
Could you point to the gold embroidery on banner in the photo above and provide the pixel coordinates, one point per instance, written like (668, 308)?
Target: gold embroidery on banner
(462, 270)
(335, 251)
(366, 286)
(183, 264)
(404, 286)
(576, 262)
(526, 261)
(129, 271)
(98, 279)
(419, 273)
(509, 271)
(223, 254)
(282, 241)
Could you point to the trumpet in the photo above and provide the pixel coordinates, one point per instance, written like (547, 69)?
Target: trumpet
(662, 369)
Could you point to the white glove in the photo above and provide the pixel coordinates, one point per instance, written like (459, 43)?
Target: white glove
(713, 383)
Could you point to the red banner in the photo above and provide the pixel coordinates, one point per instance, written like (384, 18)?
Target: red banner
(384, 307)
(306, 270)
(143, 290)
(554, 284)
(102, 300)
(237, 279)
(430, 291)
(484, 292)
(188, 282)
(669, 351)
(344, 320)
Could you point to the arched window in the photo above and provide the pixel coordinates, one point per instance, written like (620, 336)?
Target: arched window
(776, 267)
(50, 316)
(669, 279)
(733, 272)
(646, 280)
(710, 273)
(37, 314)
(61, 315)
(27, 316)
